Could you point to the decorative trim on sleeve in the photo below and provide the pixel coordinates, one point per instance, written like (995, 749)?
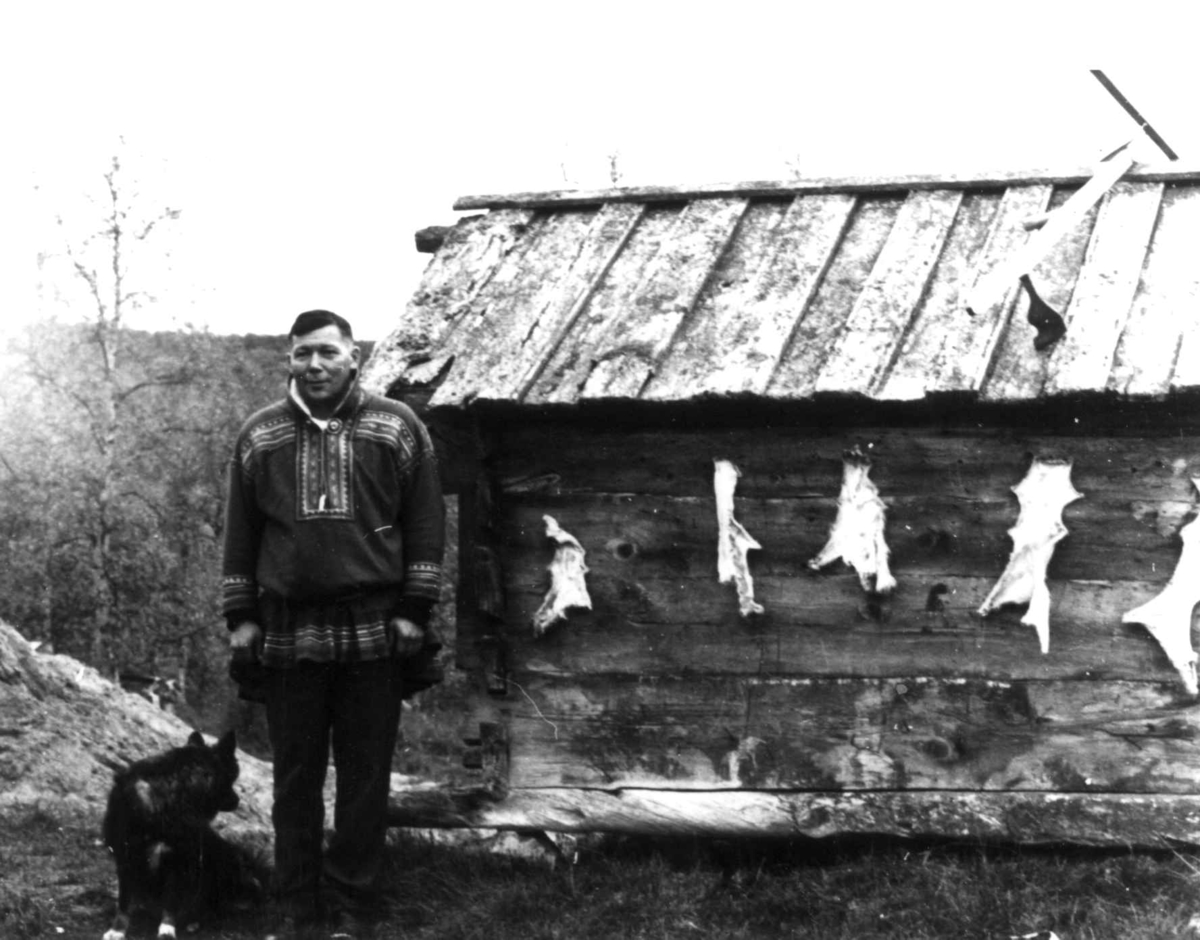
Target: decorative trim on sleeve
(238, 593)
(423, 579)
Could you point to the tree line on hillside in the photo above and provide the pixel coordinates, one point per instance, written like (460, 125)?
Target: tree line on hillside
(115, 488)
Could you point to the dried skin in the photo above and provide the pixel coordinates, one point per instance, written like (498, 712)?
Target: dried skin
(857, 534)
(567, 585)
(1043, 494)
(1168, 617)
(734, 542)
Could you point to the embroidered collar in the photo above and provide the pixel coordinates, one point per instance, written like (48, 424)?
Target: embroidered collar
(348, 404)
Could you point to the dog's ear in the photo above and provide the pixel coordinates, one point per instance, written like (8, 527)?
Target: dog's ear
(195, 739)
(227, 744)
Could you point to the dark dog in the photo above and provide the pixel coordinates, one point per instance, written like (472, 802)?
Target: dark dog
(157, 827)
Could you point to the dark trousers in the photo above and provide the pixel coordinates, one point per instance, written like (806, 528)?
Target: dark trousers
(355, 709)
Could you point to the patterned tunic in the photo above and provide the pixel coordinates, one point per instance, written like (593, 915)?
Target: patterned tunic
(332, 528)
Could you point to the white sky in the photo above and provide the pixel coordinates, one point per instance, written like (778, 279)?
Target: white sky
(305, 144)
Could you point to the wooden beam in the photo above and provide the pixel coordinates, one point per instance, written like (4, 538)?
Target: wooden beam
(763, 189)
(1135, 114)
(1145, 821)
(993, 289)
(683, 627)
(717, 732)
(431, 238)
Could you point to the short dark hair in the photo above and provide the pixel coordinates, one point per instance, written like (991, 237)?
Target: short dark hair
(316, 319)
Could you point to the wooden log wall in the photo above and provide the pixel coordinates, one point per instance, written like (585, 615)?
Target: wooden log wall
(663, 686)
(1095, 819)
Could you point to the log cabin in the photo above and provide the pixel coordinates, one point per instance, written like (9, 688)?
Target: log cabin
(822, 507)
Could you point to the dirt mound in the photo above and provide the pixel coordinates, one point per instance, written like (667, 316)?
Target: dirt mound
(64, 730)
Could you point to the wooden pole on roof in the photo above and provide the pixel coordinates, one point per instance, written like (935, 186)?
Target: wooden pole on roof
(1133, 113)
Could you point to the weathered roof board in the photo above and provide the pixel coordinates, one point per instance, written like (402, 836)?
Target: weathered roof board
(835, 288)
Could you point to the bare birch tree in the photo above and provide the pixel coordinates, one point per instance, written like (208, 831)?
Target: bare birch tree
(101, 389)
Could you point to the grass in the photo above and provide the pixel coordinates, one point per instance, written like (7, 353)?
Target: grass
(648, 889)
(55, 881)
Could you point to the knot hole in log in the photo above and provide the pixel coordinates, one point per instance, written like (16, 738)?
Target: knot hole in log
(933, 601)
(621, 549)
(936, 541)
(878, 607)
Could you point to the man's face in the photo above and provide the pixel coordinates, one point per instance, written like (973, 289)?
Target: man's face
(323, 364)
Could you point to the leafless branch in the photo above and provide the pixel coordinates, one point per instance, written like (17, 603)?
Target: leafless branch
(167, 215)
(93, 282)
(9, 467)
(134, 298)
(49, 380)
(140, 497)
(171, 379)
(183, 429)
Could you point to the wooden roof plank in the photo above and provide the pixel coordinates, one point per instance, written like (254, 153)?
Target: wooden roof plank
(516, 333)
(1186, 373)
(794, 297)
(750, 308)
(499, 319)
(488, 242)
(464, 265)
(864, 239)
(628, 355)
(474, 323)
(1100, 303)
(941, 328)
(613, 227)
(768, 189)
(877, 323)
(1017, 370)
(567, 368)
(716, 328)
(967, 352)
(1168, 299)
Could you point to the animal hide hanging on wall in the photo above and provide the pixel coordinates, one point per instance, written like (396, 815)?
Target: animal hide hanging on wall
(1168, 617)
(567, 585)
(1043, 494)
(734, 542)
(857, 535)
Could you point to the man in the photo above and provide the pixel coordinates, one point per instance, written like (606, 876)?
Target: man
(333, 551)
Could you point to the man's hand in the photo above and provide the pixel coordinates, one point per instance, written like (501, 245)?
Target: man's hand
(406, 637)
(246, 639)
